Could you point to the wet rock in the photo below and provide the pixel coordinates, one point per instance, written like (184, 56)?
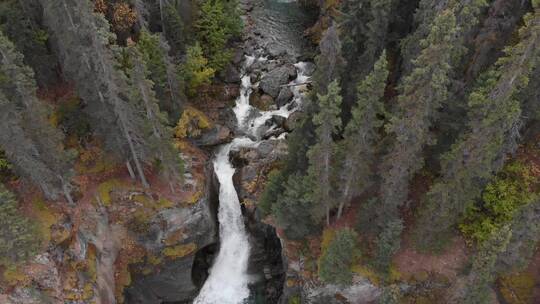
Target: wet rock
(231, 74)
(174, 282)
(309, 68)
(292, 121)
(271, 82)
(227, 118)
(216, 136)
(276, 50)
(238, 57)
(273, 133)
(254, 163)
(359, 292)
(285, 95)
(261, 102)
(279, 120)
(265, 260)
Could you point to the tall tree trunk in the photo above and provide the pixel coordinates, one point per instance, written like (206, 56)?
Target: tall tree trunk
(138, 165)
(345, 198)
(130, 170)
(68, 13)
(327, 187)
(162, 16)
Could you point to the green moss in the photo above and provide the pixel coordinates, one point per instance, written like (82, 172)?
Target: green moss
(45, 218)
(294, 300)
(105, 188)
(517, 288)
(194, 198)
(15, 276)
(179, 251)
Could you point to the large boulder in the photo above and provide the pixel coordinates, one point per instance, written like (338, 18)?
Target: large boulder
(284, 97)
(262, 102)
(292, 121)
(308, 68)
(271, 82)
(216, 136)
(253, 165)
(230, 74)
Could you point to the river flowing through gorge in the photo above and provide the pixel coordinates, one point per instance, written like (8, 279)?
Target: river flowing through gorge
(274, 31)
(228, 279)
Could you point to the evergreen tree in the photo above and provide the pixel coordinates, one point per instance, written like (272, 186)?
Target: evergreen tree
(524, 241)
(493, 129)
(329, 62)
(163, 73)
(31, 143)
(196, 70)
(160, 135)
(365, 31)
(87, 56)
(336, 261)
(361, 135)
(173, 26)
(218, 22)
(481, 276)
(377, 31)
(291, 209)
(422, 93)
(388, 243)
(466, 13)
(20, 20)
(19, 237)
(321, 155)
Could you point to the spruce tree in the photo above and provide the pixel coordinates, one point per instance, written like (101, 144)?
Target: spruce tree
(160, 135)
(377, 32)
(365, 32)
(163, 73)
(336, 261)
(21, 22)
(482, 273)
(19, 237)
(524, 241)
(422, 93)
(361, 135)
(329, 62)
(291, 208)
(86, 52)
(31, 143)
(321, 155)
(495, 117)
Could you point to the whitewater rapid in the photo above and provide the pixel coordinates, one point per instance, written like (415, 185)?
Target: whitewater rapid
(228, 280)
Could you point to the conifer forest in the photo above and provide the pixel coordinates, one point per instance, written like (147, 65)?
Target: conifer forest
(269, 151)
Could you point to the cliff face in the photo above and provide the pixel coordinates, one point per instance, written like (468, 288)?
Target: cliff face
(120, 235)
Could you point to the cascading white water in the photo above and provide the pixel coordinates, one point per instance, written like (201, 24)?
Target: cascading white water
(228, 280)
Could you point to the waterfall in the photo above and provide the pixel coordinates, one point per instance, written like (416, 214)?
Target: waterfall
(228, 279)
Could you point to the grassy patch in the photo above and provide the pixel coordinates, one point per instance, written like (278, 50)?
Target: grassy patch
(45, 218)
(105, 189)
